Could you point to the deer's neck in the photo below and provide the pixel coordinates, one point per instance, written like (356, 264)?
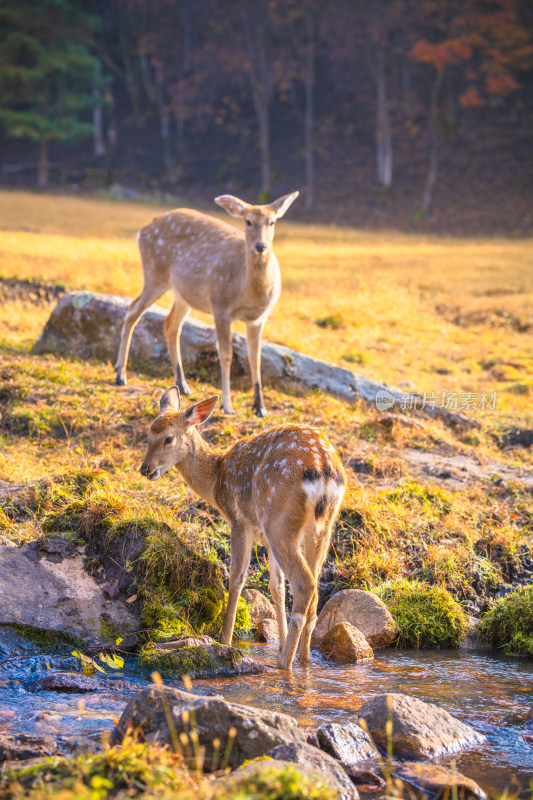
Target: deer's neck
(199, 469)
(262, 275)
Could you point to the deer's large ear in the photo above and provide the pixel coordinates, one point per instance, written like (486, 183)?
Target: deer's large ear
(170, 399)
(234, 206)
(280, 206)
(200, 412)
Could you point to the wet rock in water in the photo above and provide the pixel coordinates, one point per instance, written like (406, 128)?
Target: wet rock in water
(363, 610)
(317, 760)
(22, 746)
(45, 588)
(267, 631)
(368, 779)
(441, 781)
(198, 658)
(62, 681)
(260, 606)
(347, 742)
(244, 732)
(419, 730)
(346, 644)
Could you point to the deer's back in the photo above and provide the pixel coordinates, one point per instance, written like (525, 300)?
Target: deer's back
(291, 466)
(197, 254)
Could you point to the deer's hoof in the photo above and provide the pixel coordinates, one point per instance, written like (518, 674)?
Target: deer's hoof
(121, 380)
(184, 388)
(259, 411)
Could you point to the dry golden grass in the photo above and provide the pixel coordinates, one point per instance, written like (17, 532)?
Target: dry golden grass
(394, 306)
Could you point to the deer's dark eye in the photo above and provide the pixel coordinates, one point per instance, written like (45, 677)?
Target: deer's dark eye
(248, 221)
(271, 222)
(169, 440)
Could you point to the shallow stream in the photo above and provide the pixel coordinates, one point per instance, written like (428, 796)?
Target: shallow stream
(490, 692)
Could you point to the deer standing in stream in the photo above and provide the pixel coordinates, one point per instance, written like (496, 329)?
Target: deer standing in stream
(211, 267)
(281, 488)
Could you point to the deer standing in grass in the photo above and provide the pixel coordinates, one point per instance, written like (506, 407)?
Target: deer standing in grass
(211, 267)
(282, 488)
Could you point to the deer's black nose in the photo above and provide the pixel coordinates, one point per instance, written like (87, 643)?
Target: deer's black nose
(144, 469)
(260, 247)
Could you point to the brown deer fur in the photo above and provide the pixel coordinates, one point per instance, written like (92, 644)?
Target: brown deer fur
(211, 267)
(282, 488)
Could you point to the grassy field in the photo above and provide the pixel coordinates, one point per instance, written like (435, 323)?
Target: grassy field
(437, 314)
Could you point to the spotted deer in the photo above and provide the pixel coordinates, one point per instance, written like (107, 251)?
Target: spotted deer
(211, 267)
(281, 488)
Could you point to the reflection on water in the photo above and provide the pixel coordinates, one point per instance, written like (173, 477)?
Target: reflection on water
(491, 693)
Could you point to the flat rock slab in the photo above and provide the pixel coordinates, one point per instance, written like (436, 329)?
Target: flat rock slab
(419, 730)
(69, 682)
(200, 657)
(44, 586)
(439, 781)
(363, 610)
(348, 743)
(255, 732)
(87, 325)
(316, 760)
(346, 644)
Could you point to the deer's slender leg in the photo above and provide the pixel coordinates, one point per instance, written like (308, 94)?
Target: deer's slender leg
(302, 584)
(254, 331)
(277, 590)
(241, 546)
(315, 548)
(225, 353)
(148, 296)
(173, 325)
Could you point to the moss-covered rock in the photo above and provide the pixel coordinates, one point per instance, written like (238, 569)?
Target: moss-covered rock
(199, 657)
(509, 623)
(426, 615)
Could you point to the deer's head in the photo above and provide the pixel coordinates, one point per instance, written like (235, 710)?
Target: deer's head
(171, 434)
(259, 221)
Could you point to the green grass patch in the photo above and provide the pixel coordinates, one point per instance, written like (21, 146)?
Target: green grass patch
(130, 770)
(508, 625)
(427, 616)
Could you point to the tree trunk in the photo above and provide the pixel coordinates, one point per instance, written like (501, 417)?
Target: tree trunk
(431, 178)
(112, 137)
(99, 147)
(164, 122)
(309, 109)
(383, 124)
(261, 90)
(43, 169)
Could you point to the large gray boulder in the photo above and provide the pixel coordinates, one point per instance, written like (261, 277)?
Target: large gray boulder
(87, 325)
(44, 587)
(363, 610)
(255, 732)
(419, 730)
